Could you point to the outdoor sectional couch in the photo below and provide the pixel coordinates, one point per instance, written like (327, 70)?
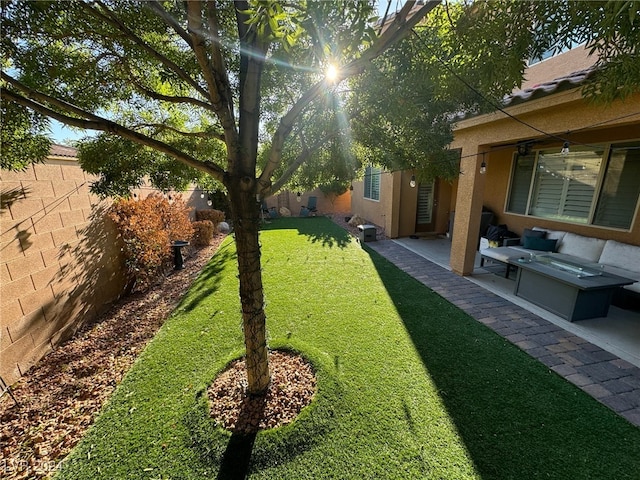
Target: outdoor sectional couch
(618, 258)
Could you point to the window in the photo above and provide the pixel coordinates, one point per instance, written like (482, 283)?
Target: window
(589, 185)
(372, 183)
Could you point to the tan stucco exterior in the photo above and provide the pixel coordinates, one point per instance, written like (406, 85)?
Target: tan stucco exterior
(565, 115)
(492, 138)
(325, 204)
(396, 210)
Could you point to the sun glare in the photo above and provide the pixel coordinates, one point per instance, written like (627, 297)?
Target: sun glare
(331, 74)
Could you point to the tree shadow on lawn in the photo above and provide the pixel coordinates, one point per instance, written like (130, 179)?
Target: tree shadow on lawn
(209, 279)
(516, 417)
(318, 229)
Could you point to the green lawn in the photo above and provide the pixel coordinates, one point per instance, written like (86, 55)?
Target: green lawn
(410, 387)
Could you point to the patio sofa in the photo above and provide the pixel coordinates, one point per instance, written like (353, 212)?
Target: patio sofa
(618, 258)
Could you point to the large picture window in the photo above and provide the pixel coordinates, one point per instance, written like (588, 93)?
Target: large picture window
(372, 183)
(589, 185)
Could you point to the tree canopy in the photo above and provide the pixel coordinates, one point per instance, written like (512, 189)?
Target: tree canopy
(185, 89)
(237, 92)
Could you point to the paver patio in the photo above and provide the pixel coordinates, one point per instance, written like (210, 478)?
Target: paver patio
(609, 379)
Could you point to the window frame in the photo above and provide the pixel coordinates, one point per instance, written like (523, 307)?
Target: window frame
(369, 187)
(591, 218)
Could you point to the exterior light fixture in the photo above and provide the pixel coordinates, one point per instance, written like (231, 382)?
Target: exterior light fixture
(524, 148)
(565, 148)
(351, 187)
(412, 182)
(201, 194)
(483, 167)
(298, 197)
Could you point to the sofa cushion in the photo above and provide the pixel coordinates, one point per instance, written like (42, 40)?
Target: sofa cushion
(587, 248)
(542, 244)
(553, 234)
(528, 232)
(621, 255)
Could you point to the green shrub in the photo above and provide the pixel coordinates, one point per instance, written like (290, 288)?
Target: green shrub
(202, 233)
(215, 216)
(147, 227)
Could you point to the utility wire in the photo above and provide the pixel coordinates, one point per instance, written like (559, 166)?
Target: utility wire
(513, 117)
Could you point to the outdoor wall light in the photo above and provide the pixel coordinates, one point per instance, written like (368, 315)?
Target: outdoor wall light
(483, 167)
(298, 197)
(524, 148)
(412, 182)
(565, 148)
(201, 194)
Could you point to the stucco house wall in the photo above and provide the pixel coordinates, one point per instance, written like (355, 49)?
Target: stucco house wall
(59, 264)
(553, 106)
(325, 204)
(565, 114)
(385, 211)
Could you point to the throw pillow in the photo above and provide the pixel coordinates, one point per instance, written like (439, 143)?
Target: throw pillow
(532, 233)
(542, 244)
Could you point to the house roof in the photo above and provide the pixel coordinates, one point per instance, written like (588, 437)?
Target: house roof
(540, 90)
(547, 88)
(63, 151)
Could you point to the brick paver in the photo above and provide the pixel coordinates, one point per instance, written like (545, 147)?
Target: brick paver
(609, 379)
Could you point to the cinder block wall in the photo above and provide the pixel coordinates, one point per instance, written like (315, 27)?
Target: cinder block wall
(60, 263)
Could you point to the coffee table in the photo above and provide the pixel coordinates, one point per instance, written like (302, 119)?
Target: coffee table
(566, 286)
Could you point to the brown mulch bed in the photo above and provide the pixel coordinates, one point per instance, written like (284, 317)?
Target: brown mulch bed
(60, 397)
(292, 387)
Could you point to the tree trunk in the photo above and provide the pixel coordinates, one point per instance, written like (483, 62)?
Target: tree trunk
(245, 213)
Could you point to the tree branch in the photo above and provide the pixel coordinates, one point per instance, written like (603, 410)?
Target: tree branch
(162, 127)
(199, 47)
(112, 20)
(401, 25)
(300, 159)
(93, 122)
(167, 98)
(215, 45)
(161, 13)
(252, 56)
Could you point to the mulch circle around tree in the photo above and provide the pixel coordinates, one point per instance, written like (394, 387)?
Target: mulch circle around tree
(292, 388)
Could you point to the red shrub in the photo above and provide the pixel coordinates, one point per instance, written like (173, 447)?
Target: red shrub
(203, 233)
(215, 216)
(147, 227)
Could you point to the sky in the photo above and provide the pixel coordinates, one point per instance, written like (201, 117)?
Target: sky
(66, 136)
